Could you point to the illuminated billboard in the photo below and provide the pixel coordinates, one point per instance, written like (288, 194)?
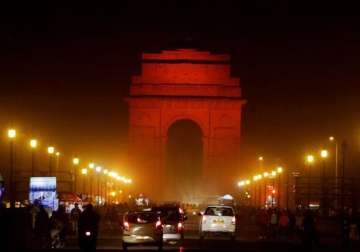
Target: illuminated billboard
(43, 191)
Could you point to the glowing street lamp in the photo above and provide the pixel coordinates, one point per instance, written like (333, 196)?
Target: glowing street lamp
(33, 143)
(76, 161)
(261, 158)
(91, 165)
(279, 169)
(324, 154)
(265, 174)
(11, 133)
(98, 169)
(51, 150)
(310, 159)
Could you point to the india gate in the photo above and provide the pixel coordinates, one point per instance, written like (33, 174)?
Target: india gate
(184, 125)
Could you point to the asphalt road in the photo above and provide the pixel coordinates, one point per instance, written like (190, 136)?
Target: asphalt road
(215, 244)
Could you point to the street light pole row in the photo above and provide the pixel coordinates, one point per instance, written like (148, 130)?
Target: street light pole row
(33, 144)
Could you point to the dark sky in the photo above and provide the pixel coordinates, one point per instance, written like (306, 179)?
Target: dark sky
(65, 69)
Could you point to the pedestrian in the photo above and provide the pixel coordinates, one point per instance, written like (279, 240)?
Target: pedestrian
(59, 223)
(42, 228)
(263, 222)
(283, 223)
(88, 227)
(310, 236)
(74, 216)
(274, 223)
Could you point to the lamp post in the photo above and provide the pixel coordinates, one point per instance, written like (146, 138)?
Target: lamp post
(105, 189)
(309, 160)
(51, 151)
(12, 136)
(76, 162)
(323, 154)
(84, 172)
(91, 167)
(265, 176)
(279, 170)
(98, 169)
(57, 154)
(333, 140)
(33, 144)
(273, 177)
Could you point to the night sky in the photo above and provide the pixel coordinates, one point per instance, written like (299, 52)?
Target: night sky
(65, 69)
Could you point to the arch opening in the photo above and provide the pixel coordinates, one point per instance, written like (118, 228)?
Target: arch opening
(184, 161)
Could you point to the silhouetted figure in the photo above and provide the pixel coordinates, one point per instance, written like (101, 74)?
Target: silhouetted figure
(42, 228)
(345, 229)
(310, 235)
(75, 215)
(88, 229)
(59, 223)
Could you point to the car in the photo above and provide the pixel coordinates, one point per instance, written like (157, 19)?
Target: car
(172, 217)
(142, 228)
(218, 219)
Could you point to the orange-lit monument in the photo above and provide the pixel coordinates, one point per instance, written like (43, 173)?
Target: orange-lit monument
(185, 84)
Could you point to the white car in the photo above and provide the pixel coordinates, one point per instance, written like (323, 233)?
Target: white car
(218, 220)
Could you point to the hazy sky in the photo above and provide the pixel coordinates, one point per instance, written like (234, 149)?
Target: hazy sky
(65, 71)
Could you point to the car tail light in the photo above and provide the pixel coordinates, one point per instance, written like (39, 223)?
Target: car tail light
(158, 224)
(180, 226)
(126, 225)
(233, 220)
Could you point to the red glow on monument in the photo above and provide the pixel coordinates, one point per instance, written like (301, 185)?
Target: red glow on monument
(191, 85)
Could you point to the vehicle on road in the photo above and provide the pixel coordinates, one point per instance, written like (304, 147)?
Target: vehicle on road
(172, 218)
(218, 220)
(142, 228)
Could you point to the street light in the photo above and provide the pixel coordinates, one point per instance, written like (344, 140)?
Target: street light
(333, 140)
(324, 155)
(84, 171)
(98, 169)
(12, 136)
(33, 144)
(51, 151)
(309, 160)
(57, 154)
(11, 133)
(91, 165)
(76, 162)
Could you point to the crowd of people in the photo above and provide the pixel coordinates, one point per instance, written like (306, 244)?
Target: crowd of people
(33, 226)
(303, 224)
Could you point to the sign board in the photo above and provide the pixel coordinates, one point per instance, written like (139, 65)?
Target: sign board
(43, 191)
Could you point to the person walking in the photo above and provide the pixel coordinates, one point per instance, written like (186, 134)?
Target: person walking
(59, 223)
(274, 223)
(74, 216)
(88, 227)
(310, 236)
(42, 228)
(283, 223)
